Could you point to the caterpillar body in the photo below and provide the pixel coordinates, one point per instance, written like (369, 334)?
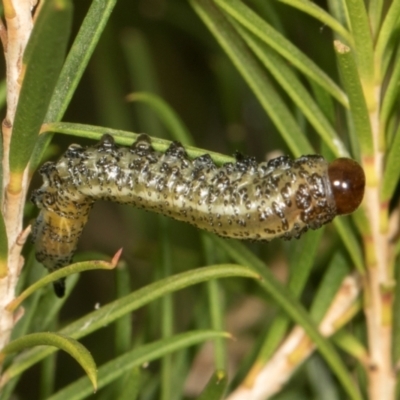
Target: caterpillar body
(281, 198)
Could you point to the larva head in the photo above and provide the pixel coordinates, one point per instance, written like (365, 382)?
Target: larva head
(347, 181)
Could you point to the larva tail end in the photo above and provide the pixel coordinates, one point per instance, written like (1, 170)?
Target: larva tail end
(347, 180)
(59, 288)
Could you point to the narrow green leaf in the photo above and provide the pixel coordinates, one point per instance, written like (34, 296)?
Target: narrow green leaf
(337, 8)
(333, 277)
(49, 306)
(123, 326)
(216, 304)
(296, 91)
(142, 72)
(31, 273)
(74, 66)
(167, 115)
(215, 388)
(3, 93)
(8, 391)
(168, 318)
(48, 373)
(114, 310)
(391, 174)
(127, 138)
(3, 248)
(321, 15)
(114, 369)
(268, 11)
(61, 273)
(389, 27)
(256, 78)
(43, 59)
(274, 337)
(301, 262)
(322, 383)
(245, 16)
(70, 346)
(352, 135)
(216, 314)
(30, 311)
(324, 101)
(350, 242)
(351, 345)
(375, 9)
(358, 105)
(132, 385)
(78, 57)
(109, 85)
(363, 42)
(391, 97)
(397, 248)
(285, 299)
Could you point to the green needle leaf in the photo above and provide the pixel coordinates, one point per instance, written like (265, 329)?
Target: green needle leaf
(391, 96)
(296, 90)
(388, 30)
(363, 42)
(70, 346)
(61, 273)
(43, 59)
(167, 115)
(391, 175)
(115, 368)
(215, 388)
(116, 309)
(358, 105)
(255, 77)
(250, 20)
(318, 13)
(126, 138)
(74, 67)
(350, 242)
(285, 299)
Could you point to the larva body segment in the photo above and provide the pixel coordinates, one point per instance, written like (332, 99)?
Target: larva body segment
(245, 199)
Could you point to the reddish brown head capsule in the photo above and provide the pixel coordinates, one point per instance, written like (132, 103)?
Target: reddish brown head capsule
(348, 181)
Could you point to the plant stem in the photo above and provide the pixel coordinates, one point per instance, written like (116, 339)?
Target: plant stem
(379, 282)
(19, 23)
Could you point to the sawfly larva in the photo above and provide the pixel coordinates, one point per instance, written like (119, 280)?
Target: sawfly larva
(281, 198)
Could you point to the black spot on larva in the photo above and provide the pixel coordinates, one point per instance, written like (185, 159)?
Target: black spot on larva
(278, 209)
(203, 162)
(74, 151)
(176, 150)
(303, 198)
(164, 168)
(286, 193)
(244, 163)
